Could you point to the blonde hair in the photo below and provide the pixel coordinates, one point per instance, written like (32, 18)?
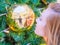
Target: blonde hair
(53, 25)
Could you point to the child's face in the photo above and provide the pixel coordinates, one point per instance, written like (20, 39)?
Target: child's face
(40, 26)
(41, 22)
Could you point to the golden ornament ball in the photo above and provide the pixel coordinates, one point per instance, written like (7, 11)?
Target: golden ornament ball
(20, 17)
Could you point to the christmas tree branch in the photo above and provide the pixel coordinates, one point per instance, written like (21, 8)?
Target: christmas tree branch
(3, 14)
(6, 30)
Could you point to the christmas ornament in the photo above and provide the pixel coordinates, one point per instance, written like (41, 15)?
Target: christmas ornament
(20, 17)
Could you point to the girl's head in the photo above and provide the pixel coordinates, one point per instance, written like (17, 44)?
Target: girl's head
(48, 25)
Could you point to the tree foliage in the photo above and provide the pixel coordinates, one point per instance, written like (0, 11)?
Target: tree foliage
(22, 38)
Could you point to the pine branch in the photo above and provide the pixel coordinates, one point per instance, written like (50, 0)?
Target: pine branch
(3, 14)
(6, 30)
